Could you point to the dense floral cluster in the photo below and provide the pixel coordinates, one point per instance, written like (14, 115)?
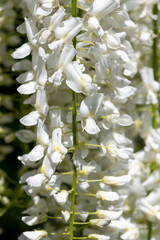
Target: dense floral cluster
(144, 188)
(86, 69)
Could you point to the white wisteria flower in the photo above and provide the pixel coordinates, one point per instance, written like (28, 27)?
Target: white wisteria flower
(50, 23)
(89, 110)
(35, 235)
(56, 150)
(61, 197)
(98, 237)
(117, 181)
(151, 87)
(41, 106)
(107, 214)
(67, 54)
(101, 10)
(99, 222)
(109, 196)
(78, 81)
(33, 220)
(65, 32)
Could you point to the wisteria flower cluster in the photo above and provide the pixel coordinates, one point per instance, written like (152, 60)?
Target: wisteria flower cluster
(93, 91)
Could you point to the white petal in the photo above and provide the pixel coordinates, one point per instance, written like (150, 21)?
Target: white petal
(32, 5)
(68, 29)
(103, 9)
(31, 31)
(117, 181)
(99, 222)
(27, 174)
(36, 153)
(43, 11)
(30, 119)
(27, 88)
(74, 31)
(43, 55)
(56, 78)
(33, 220)
(21, 28)
(124, 120)
(121, 56)
(55, 119)
(66, 56)
(151, 97)
(22, 51)
(42, 135)
(61, 197)
(98, 237)
(91, 126)
(156, 86)
(94, 26)
(129, 5)
(110, 215)
(56, 157)
(109, 196)
(83, 216)
(25, 135)
(35, 235)
(25, 77)
(36, 180)
(65, 215)
(24, 159)
(150, 182)
(147, 76)
(84, 185)
(126, 91)
(41, 73)
(111, 39)
(54, 19)
(43, 36)
(74, 75)
(30, 100)
(23, 65)
(56, 45)
(48, 168)
(41, 104)
(121, 140)
(120, 81)
(91, 104)
(56, 144)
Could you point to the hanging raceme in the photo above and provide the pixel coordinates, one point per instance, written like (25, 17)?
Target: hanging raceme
(78, 61)
(144, 212)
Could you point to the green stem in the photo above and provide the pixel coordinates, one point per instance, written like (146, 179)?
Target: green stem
(65, 234)
(80, 237)
(74, 129)
(91, 181)
(154, 121)
(155, 60)
(149, 231)
(82, 223)
(87, 194)
(155, 31)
